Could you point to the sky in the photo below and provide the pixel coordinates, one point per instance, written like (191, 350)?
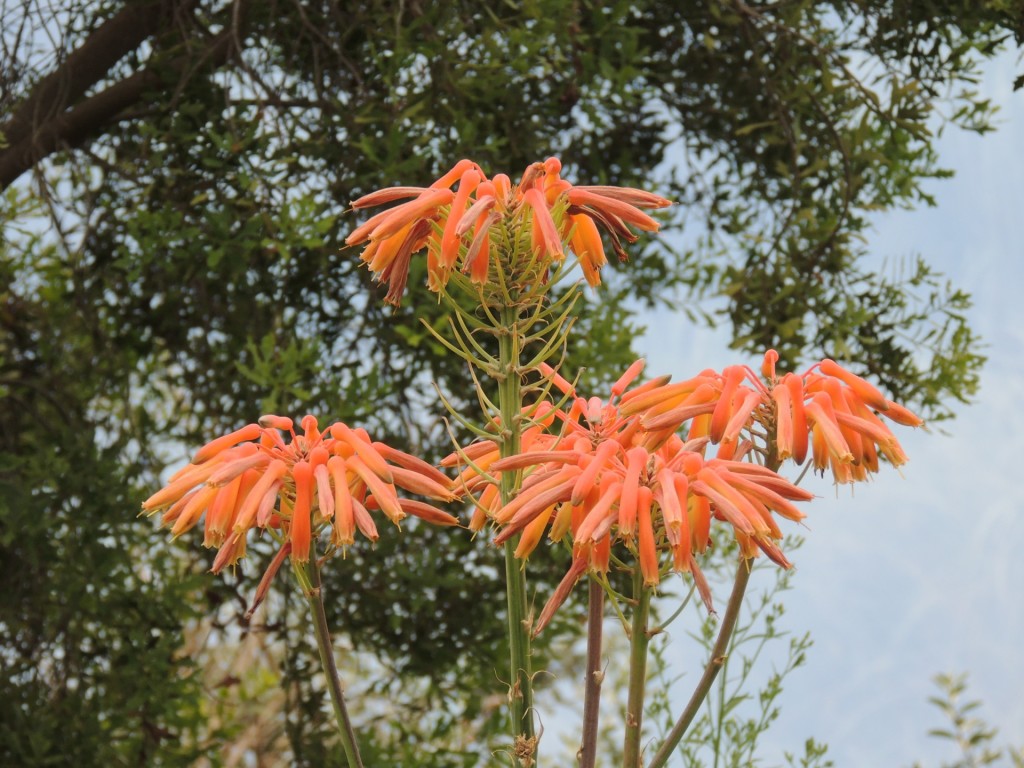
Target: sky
(917, 575)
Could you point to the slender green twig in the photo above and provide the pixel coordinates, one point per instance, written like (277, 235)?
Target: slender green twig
(311, 575)
(462, 331)
(615, 597)
(557, 307)
(638, 641)
(465, 317)
(558, 339)
(719, 653)
(454, 348)
(678, 611)
(487, 408)
(594, 675)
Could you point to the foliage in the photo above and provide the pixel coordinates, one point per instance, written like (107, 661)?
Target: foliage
(974, 738)
(92, 612)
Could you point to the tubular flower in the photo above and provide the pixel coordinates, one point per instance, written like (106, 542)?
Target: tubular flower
(606, 478)
(459, 226)
(618, 471)
(826, 411)
(266, 476)
(837, 416)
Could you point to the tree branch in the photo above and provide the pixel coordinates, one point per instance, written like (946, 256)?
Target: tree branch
(83, 68)
(44, 124)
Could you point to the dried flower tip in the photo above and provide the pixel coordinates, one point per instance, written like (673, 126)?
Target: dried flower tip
(270, 421)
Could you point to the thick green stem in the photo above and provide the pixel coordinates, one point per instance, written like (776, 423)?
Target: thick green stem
(510, 403)
(715, 662)
(310, 574)
(595, 675)
(638, 641)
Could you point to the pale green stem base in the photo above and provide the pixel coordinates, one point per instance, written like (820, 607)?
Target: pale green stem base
(638, 642)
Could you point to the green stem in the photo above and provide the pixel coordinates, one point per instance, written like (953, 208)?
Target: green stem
(521, 679)
(718, 656)
(310, 575)
(638, 641)
(595, 675)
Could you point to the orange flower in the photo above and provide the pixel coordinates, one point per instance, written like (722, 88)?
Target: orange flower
(255, 478)
(835, 414)
(463, 223)
(839, 416)
(604, 477)
(617, 471)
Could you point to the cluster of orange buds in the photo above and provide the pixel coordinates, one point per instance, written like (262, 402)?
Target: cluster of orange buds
(606, 477)
(828, 410)
(463, 223)
(839, 414)
(255, 478)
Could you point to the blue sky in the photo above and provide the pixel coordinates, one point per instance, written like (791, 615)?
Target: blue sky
(915, 575)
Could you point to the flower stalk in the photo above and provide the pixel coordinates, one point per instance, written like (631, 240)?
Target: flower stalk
(639, 639)
(310, 575)
(521, 679)
(719, 653)
(594, 675)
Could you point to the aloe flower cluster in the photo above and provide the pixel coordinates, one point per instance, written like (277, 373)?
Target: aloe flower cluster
(464, 224)
(600, 471)
(839, 416)
(256, 478)
(632, 482)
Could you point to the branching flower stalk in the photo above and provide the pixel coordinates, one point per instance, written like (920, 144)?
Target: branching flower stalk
(518, 298)
(503, 247)
(516, 312)
(617, 472)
